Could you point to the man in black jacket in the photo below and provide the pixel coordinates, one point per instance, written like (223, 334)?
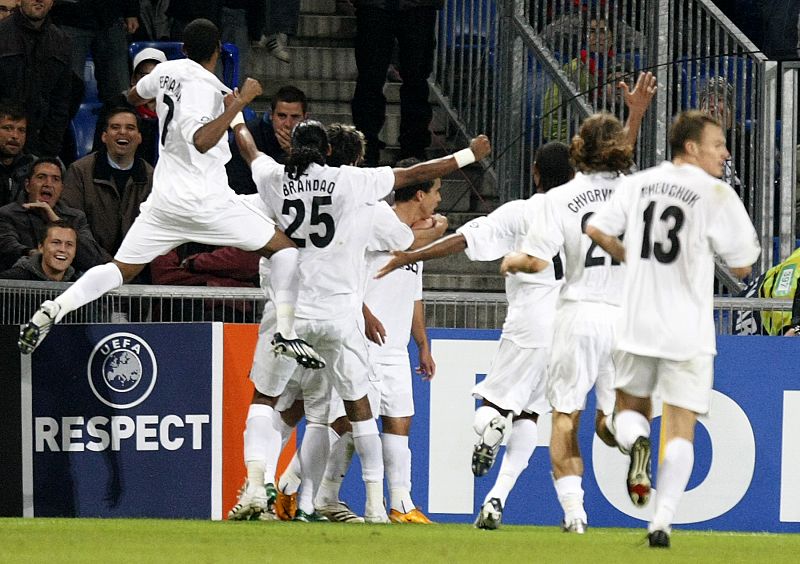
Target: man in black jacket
(14, 162)
(412, 23)
(35, 70)
(52, 262)
(20, 223)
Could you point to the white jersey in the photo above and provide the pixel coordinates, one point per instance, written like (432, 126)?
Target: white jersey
(674, 219)
(323, 213)
(187, 97)
(591, 274)
(391, 298)
(531, 297)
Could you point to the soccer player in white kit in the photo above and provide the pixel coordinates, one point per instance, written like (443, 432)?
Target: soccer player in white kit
(393, 309)
(191, 199)
(319, 207)
(676, 217)
(515, 383)
(588, 304)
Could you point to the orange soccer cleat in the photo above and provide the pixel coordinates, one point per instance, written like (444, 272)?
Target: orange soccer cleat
(413, 516)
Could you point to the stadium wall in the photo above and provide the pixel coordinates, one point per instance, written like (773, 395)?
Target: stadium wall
(162, 437)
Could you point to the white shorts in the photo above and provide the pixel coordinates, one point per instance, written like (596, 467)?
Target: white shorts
(583, 338)
(396, 389)
(313, 387)
(238, 224)
(344, 348)
(270, 372)
(685, 384)
(517, 379)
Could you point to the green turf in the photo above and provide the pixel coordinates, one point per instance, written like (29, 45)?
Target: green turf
(149, 540)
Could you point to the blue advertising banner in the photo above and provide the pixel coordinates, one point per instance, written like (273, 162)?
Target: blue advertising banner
(123, 421)
(747, 449)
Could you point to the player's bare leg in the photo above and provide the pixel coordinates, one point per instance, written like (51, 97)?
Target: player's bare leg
(565, 456)
(283, 255)
(92, 285)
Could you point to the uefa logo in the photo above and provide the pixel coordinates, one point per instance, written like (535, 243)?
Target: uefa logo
(122, 370)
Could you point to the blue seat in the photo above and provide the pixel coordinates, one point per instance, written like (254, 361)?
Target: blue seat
(174, 50)
(89, 82)
(82, 128)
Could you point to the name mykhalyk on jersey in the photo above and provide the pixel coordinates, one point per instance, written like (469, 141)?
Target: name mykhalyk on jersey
(676, 191)
(171, 86)
(308, 185)
(588, 197)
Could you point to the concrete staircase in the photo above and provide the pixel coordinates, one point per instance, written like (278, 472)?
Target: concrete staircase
(323, 66)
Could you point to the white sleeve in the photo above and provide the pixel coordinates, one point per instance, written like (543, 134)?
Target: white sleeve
(494, 236)
(612, 216)
(545, 235)
(388, 232)
(731, 233)
(368, 185)
(265, 170)
(147, 87)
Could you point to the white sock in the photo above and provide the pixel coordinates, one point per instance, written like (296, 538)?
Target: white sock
(283, 279)
(93, 284)
(261, 440)
(285, 431)
(483, 415)
(289, 481)
(570, 495)
(630, 425)
(397, 462)
(519, 449)
(313, 455)
(368, 447)
(338, 462)
(673, 475)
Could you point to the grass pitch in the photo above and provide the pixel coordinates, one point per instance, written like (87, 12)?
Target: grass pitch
(151, 540)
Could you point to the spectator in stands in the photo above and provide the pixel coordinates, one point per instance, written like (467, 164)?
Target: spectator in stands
(281, 22)
(20, 222)
(7, 7)
(109, 185)
(716, 98)
(143, 64)
(35, 70)
(412, 23)
(242, 21)
(272, 134)
(154, 21)
(99, 27)
(586, 72)
(52, 261)
(14, 162)
(181, 12)
(194, 264)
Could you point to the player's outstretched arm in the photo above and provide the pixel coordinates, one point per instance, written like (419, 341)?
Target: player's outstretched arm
(246, 143)
(521, 262)
(479, 148)
(610, 244)
(638, 100)
(444, 247)
(210, 134)
(134, 99)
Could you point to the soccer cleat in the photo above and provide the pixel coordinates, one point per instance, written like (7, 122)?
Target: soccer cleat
(301, 516)
(252, 502)
(485, 452)
(285, 506)
(577, 526)
(34, 331)
(377, 519)
(339, 512)
(413, 516)
(490, 515)
(639, 475)
(299, 350)
(658, 539)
